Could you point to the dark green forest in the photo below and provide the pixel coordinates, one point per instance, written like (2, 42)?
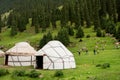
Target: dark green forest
(102, 14)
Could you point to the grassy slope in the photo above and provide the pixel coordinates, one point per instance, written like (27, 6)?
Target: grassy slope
(85, 63)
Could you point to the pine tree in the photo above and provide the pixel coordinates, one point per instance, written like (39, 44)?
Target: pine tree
(82, 14)
(110, 27)
(0, 24)
(118, 34)
(80, 33)
(118, 8)
(114, 11)
(54, 17)
(103, 22)
(90, 10)
(96, 14)
(63, 36)
(70, 31)
(77, 18)
(21, 23)
(65, 13)
(42, 41)
(111, 6)
(72, 13)
(87, 14)
(49, 37)
(46, 38)
(103, 10)
(13, 26)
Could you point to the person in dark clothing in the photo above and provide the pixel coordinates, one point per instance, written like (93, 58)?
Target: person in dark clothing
(94, 52)
(79, 53)
(86, 51)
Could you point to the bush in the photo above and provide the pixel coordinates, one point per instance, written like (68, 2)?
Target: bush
(3, 72)
(98, 65)
(58, 73)
(80, 33)
(80, 40)
(99, 33)
(71, 31)
(34, 74)
(105, 65)
(88, 36)
(18, 73)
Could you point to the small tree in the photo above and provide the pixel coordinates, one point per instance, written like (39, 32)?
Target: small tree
(13, 30)
(63, 36)
(110, 27)
(42, 41)
(71, 31)
(99, 33)
(118, 33)
(45, 39)
(0, 24)
(13, 25)
(49, 37)
(80, 33)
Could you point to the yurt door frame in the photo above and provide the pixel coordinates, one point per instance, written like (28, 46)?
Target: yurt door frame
(6, 59)
(39, 62)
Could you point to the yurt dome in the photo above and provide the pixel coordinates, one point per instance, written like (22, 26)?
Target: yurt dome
(54, 55)
(22, 54)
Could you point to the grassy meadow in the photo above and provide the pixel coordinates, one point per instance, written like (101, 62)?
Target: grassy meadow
(85, 63)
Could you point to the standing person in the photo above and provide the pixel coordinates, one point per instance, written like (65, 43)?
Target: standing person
(86, 51)
(94, 51)
(79, 52)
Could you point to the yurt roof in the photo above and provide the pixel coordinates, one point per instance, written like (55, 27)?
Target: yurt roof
(21, 48)
(54, 49)
(1, 53)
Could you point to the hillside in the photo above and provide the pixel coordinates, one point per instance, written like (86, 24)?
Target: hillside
(86, 63)
(36, 17)
(91, 27)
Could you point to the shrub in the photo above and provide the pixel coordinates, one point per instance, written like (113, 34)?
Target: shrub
(58, 73)
(18, 73)
(80, 33)
(71, 31)
(105, 65)
(63, 36)
(80, 40)
(98, 65)
(3, 72)
(99, 33)
(88, 36)
(33, 74)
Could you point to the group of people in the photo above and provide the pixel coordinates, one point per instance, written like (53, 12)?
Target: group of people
(79, 52)
(95, 51)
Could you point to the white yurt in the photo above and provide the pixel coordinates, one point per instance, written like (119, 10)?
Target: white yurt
(22, 54)
(54, 55)
(1, 53)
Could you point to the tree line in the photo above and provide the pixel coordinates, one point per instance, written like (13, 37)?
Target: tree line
(102, 14)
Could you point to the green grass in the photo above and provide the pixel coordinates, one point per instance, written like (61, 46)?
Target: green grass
(85, 64)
